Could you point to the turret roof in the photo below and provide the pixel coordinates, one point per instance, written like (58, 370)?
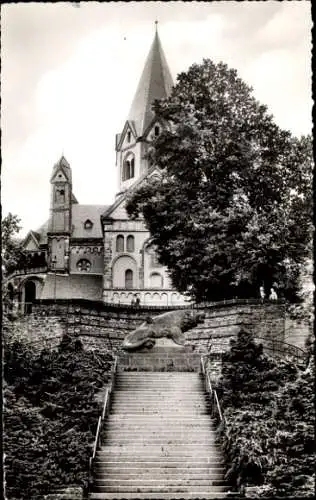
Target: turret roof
(64, 166)
(155, 83)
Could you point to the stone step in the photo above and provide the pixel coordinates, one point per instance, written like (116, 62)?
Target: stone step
(211, 471)
(160, 375)
(149, 430)
(162, 459)
(167, 419)
(158, 387)
(126, 427)
(154, 433)
(193, 495)
(156, 390)
(157, 448)
(163, 476)
(157, 483)
(158, 408)
(163, 396)
(179, 463)
(165, 377)
(139, 488)
(171, 397)
(135, 437)
(148, 412)
(161, 402)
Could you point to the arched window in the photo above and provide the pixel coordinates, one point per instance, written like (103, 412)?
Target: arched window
(10, 291)
(129, 136)
(120, 243)
(155, 280)
(59, 195)
(30, 296)
(157, 130)
(130, 243)
(128, 279)
(128, 168)
(84, 265)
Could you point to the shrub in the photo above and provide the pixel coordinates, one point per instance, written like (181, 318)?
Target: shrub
(50, 416)
(268, 407)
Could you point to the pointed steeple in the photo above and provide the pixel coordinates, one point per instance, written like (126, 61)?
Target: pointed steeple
(64, 166)
(155, 83)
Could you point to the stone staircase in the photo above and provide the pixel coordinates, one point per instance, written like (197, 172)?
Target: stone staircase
(159, 440)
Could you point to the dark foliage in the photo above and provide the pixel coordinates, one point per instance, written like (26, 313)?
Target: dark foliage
(269, 410)
(232, 209)
(50, 415)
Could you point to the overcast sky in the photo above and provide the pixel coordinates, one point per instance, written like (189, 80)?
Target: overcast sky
(69, 75)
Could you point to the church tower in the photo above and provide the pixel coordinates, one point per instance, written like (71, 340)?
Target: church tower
(59, 225)
(141, 126)
(131, 266)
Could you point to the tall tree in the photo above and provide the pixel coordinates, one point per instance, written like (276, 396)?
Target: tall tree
(232, 207)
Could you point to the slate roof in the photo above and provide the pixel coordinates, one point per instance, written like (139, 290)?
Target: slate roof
(73, 286)
(81, 213)
(41, 234)
(155, 83)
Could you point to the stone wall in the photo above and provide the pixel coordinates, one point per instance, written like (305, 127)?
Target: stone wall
(105, 326)
(41, 331)
(265, 321)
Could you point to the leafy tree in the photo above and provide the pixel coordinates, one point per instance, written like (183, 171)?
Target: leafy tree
(232, 207)
(11, 250)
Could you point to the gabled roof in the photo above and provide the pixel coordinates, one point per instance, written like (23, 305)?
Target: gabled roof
(128, 125)
(154, 121)
(32, 238)
(155, 83)
(122, 197)
(80, 214)
(41, 234)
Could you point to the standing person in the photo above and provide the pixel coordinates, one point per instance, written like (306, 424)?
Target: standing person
(262, 292)
(273, 295)
(133, 302)
(137, 302)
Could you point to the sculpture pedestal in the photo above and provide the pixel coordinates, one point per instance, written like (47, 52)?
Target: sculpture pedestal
(164, 356)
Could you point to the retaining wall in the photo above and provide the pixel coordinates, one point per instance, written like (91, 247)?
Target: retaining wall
(105, 326)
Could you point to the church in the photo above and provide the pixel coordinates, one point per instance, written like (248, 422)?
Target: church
(96, 252)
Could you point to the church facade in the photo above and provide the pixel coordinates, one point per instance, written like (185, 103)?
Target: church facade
(96, 252)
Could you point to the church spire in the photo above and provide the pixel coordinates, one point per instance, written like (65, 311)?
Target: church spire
(155, 83)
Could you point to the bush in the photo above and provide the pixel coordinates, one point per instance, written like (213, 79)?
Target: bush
(50, 416)
(268, 407)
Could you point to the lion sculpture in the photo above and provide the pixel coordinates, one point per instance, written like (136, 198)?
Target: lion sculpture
(171, 325)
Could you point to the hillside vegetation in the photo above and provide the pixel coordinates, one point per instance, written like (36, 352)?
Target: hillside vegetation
(50, 415)
(269, 438)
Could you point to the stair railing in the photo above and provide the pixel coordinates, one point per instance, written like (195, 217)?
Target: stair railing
(105, 410)
(216, 410)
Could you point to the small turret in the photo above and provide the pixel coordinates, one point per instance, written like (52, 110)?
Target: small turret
(59, 226)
